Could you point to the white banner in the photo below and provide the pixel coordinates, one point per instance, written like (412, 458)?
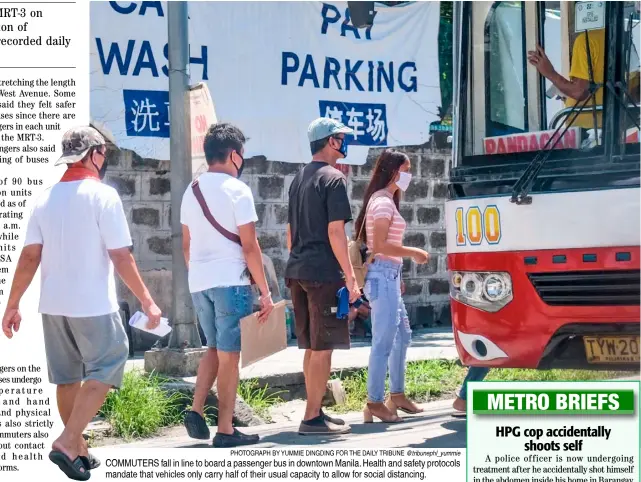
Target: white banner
(271, 68)
(203, 114)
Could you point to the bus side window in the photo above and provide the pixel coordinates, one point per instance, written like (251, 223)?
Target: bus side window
(505, 63)
(553, 45)
(631, 72)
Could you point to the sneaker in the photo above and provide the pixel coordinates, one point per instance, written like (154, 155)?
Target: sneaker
(237, 439)
(335, 421)
(320, 426)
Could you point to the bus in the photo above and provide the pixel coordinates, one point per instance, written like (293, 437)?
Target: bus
(542, 217)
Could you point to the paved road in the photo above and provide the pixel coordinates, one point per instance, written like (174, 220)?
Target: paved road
(435, 428)
(427, 344)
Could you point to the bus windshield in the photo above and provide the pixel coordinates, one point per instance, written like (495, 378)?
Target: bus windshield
(536, 76)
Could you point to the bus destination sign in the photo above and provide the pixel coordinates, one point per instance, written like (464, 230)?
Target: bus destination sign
(532, 141)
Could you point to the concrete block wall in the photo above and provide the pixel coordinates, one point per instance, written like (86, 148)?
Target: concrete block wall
(144, 186)
(426, 286)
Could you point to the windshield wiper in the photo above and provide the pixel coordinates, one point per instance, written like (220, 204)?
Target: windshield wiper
(524, 183)
(624, 89)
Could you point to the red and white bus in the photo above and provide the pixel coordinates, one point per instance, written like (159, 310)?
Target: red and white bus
(543, 227)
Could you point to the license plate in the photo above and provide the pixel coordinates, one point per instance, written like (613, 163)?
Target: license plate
(612, 349)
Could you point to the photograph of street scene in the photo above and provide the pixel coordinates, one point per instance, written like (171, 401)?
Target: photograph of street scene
(329, 217)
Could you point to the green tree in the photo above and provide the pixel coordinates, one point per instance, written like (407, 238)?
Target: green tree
(445, 58)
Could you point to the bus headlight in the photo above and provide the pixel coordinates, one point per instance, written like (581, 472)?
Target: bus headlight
(497, 286)
(487, 291)
(472, 286)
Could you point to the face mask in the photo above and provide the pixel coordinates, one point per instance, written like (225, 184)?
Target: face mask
(343, 148)
(404, 180)
(103, 170)
(239, 170)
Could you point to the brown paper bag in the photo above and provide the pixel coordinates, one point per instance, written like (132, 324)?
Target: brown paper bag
(258, 341)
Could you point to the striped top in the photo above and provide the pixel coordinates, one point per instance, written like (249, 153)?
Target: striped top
(381, 206)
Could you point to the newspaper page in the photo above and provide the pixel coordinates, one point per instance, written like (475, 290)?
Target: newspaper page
(187, 164)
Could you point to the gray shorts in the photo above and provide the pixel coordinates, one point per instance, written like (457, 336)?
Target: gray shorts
(80, 349)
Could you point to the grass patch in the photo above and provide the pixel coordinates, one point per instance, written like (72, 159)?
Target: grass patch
(258, 398)
(523, 375)
(433, 379)
(141, 407)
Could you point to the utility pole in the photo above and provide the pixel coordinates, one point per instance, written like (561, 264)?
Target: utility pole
(185, 332)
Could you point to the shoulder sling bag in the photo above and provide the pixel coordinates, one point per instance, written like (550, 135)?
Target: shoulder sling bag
(234, 238)
(357, 251)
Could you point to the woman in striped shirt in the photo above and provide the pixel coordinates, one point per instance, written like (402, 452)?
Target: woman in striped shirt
(391, 334)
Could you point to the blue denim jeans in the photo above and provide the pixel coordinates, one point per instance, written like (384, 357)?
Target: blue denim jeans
(219, 312)
(474, 374)
(391, 333)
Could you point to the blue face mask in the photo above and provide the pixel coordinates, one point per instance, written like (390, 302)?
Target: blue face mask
(343, 148)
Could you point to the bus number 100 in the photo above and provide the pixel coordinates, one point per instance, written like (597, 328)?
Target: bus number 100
(473, 226)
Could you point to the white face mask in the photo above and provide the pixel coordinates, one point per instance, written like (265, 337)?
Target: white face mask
(404, 180)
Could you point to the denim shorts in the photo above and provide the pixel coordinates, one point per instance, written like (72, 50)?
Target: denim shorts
(219, 313)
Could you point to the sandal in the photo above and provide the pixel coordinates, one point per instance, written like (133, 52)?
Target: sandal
(394, 407)
(75, 470)
(90, 461)
(380, 411)
(196, 426)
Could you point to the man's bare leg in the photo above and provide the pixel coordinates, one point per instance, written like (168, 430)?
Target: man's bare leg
(88, 401)
(320, 364)
(66, 397)
(227, 387)
(308, 357)
(207, 371)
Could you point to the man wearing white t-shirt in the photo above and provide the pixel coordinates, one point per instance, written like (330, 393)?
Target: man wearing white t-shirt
(77, 234)
(223, 255)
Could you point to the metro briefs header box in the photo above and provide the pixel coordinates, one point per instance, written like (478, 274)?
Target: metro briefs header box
(571, 402)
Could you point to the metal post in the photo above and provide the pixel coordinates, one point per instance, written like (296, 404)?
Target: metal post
(185, 332)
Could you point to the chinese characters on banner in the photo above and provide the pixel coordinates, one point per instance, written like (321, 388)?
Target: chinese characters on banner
(369, 121)
(146, 113)
(298, 61)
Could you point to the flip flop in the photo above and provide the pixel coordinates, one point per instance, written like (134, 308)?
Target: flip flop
(75, 470)
(196, 426)
(459, 415)
(90, 461)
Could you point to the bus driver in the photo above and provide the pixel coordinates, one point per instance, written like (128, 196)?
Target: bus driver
(576, 89)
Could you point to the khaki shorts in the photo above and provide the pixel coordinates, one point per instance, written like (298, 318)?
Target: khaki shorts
(317, 327)
(81, 349)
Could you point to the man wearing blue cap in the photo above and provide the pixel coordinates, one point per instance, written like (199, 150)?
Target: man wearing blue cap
(319, 265)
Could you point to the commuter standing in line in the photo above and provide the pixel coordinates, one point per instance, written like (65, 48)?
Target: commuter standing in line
(78, 234)
(223, 256)
(391, 334)
(319, 265)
